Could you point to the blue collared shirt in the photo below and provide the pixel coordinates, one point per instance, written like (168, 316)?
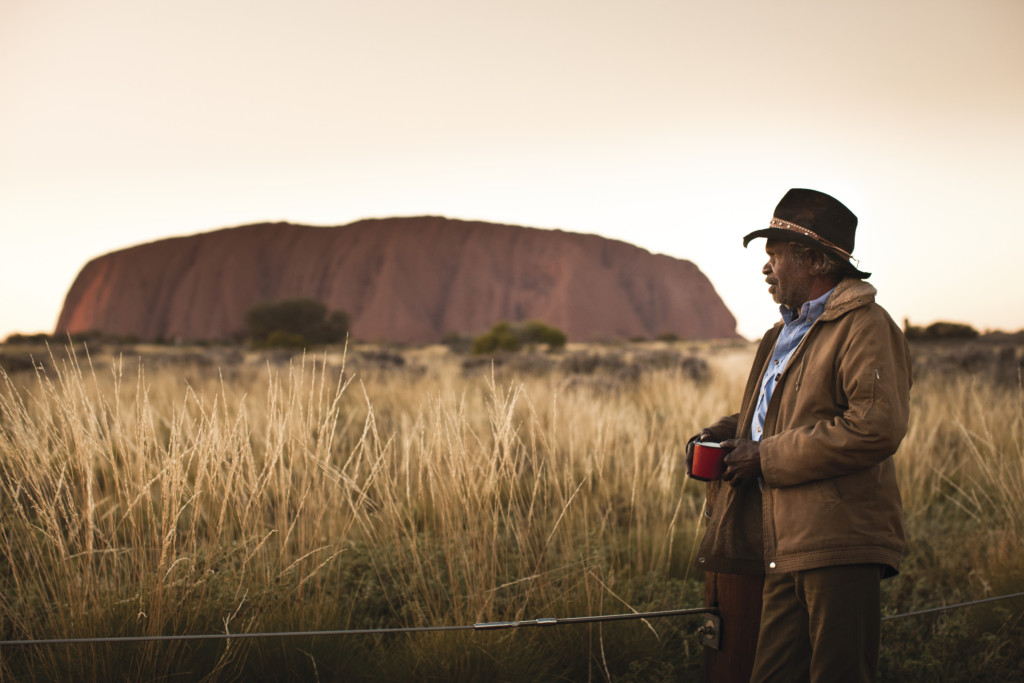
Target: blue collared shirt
(797, 324)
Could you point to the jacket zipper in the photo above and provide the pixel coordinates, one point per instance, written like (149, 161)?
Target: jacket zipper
(771, 418)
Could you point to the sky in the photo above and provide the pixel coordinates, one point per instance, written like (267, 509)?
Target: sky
(673, 125)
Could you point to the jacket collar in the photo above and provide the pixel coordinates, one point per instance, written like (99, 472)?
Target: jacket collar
(849, 294)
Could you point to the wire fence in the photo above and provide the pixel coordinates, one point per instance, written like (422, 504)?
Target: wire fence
(484, 626)
(946, 608)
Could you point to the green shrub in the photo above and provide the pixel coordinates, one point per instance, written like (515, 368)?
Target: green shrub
(501, 338)
(294, 323)
(19, 338)
(939, 331)
(505, 336)
(536, 332)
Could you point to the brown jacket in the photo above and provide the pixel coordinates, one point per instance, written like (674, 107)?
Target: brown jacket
(837, 415)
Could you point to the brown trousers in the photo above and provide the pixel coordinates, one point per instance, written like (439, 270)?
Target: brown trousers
(820, 625)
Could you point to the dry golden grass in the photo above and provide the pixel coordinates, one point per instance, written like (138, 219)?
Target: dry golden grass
(179, 495)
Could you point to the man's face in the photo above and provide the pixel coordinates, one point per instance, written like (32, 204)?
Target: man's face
(789, 281)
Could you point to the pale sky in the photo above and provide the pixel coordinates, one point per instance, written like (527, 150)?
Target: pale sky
(673, 125)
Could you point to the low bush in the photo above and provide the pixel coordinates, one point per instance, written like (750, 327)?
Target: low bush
(294, 323)
(939, 331)
(505, 336)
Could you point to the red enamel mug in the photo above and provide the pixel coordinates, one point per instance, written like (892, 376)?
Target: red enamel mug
(708, 462)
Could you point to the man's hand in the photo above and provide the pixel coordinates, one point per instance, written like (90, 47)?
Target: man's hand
(704, 435)
(743, 463)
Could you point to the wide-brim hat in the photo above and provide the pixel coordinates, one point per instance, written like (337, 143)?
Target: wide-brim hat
(817, 220)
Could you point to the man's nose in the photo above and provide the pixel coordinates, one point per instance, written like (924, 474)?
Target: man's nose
(767, 268)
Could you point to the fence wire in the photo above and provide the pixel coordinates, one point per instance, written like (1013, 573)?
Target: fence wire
(483, 626)
(946, 608)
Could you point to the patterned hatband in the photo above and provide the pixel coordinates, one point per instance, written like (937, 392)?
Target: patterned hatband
(793, 227)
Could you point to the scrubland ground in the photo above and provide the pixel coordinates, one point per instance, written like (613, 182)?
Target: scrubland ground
(164, 492)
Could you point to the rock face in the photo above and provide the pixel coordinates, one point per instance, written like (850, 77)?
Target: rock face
(409, 280)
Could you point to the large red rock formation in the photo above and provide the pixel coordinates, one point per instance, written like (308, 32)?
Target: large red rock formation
(400, 280)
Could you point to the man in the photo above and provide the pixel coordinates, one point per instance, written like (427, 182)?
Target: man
(809, 496)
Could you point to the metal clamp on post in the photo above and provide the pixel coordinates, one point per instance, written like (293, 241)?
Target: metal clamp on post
(710, 631)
